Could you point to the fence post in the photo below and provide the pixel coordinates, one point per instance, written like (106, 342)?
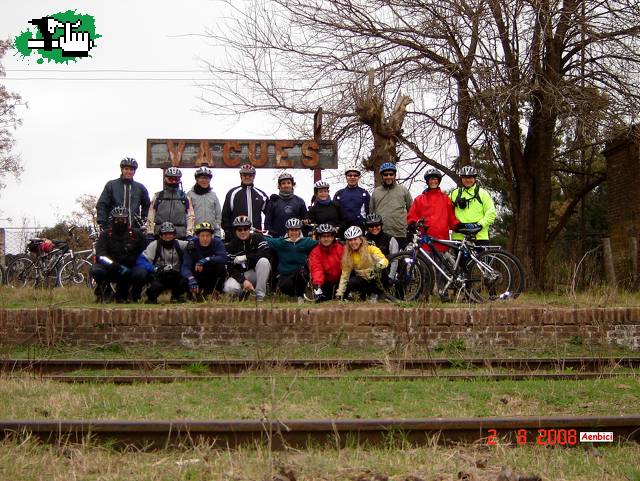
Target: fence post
(608, 261)
(633, 257)
(2, 246)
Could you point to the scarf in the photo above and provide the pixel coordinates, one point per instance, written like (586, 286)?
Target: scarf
(201, 190)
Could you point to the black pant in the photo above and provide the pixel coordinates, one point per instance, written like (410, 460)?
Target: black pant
(329, 290)
(161, 281)
(362, 285)
(293, 284)
(211, 277)
(134, 280)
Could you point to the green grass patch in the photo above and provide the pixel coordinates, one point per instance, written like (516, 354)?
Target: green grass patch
(250, 397)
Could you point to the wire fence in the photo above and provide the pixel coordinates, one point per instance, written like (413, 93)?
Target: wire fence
(13, 240)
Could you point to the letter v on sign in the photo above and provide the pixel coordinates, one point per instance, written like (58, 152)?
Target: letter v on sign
(175, 154)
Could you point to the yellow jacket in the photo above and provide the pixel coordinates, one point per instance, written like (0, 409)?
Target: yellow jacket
(379, 262)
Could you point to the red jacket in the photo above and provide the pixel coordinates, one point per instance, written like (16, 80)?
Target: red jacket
(325, 263)
(437, 210)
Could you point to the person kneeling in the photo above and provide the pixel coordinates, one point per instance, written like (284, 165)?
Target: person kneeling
(325, 263)
(204, 263)
(292, 253)
(361, 267)
(251, 265)
(116, 251)
(162, 260)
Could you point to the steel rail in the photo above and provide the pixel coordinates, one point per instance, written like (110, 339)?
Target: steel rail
(334, 432)
(239, 365)
(164, 379)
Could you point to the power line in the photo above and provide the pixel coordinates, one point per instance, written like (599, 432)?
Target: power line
(106, 70)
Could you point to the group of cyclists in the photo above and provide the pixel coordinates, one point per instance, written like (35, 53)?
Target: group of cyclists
(190, 244)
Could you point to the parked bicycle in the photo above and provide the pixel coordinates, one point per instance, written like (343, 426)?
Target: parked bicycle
(473, 273)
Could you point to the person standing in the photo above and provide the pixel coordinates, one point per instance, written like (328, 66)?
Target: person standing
(206, 206)
(283, 206)
(352, 200)
(473, 205)
(246, 199)
(323, 210)
(172, 205)
(124, 192)
(392, 201)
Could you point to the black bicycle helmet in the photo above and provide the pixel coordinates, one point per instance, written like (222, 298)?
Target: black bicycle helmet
(325, 229)
(203, 171)
(373, 219)
(241, 221)
(432, 172)
(167, 227)
(119, 212)
(129, 162)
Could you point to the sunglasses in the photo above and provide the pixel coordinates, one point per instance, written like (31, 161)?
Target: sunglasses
(374, 226)
(242, 229)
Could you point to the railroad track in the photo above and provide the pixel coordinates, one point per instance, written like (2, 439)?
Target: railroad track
(563, 431)
(234, 366)
(164, 379)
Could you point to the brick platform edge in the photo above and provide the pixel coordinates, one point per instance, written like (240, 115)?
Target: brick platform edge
(353, 326)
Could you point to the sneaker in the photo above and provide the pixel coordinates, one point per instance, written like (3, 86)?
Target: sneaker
(373, 298)
(260, 297)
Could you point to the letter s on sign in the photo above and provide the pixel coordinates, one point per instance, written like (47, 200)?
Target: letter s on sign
(310, 156)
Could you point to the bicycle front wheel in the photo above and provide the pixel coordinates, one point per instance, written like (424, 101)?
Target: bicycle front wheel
(22, 272)
(75, 272)
(490, 278)
(409, 278)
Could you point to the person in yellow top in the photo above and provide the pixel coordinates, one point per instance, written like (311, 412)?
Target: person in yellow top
(361, 267)
(473, 205)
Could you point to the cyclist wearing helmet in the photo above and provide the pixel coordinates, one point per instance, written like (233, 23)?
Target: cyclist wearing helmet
(325, 263)
(352, 200)
(435, 207)
(204, 263)
(251, 265)
(473, 204)
(206, 206)
(172, 205)
(362, 265)
(292, 252)
(283, 206)
(125, 192)
(162, 262)
(117, 249)
(246, 199)
(392, 201)
(323, 210)
(377, 237)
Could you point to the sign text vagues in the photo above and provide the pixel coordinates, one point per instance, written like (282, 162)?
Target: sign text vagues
(278, 154)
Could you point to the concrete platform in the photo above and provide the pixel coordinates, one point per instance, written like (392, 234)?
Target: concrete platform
(364, 325)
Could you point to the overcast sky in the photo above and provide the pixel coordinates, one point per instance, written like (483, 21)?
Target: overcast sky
(75, 132)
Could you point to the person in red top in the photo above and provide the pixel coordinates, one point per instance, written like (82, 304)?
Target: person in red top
(435, 207)
(325, 263)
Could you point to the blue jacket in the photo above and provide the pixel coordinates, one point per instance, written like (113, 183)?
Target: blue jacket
(280, 210)
(353, 203)
(291, 255)
(214, 252)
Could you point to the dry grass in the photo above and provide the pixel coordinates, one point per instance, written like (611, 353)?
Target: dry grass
(27, 460)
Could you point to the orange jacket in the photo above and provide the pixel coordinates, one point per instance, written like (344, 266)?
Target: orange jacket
(437, 210)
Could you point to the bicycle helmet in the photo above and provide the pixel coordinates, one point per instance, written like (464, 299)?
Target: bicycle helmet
(247, 169)
(203, 227)
(353, 232)
(468, 171)
(285, 176)
(387, 166)
(432, 172)
(203, 171)
(129, 162)
(167, 227)
(373, 219)
(321, 184)
(119, 212)
(353, 169)
(293, 223)
(242, 221)
(325, 229)
(173, 172)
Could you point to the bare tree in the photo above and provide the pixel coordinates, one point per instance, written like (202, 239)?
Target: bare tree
(10, 163)
(517, 86)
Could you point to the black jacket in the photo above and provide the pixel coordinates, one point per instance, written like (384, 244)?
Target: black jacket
(235, 204)
(254, 248)
(325, 214)
(130, 194)
(280, 210)
(123, 249)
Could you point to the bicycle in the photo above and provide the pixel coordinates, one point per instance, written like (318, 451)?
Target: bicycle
(40, 269)
(475, 274)
(77, 270)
